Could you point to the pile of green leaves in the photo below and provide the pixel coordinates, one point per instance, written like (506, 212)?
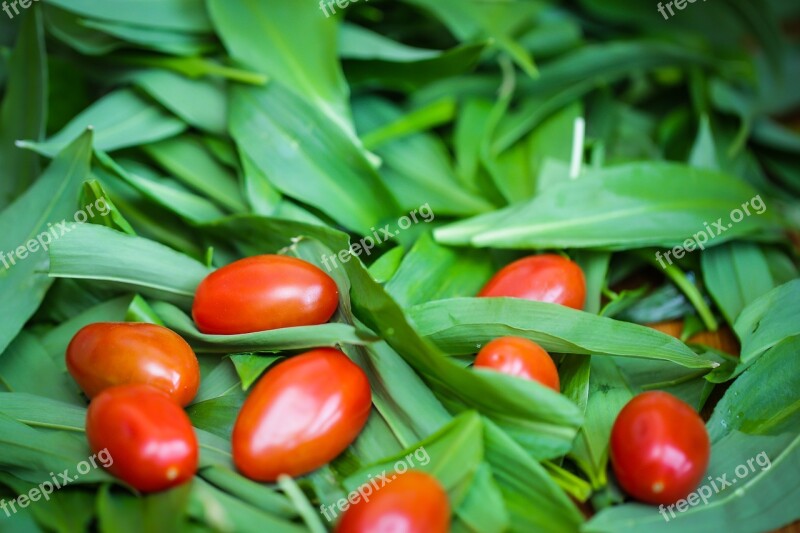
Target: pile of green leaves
(219, 129)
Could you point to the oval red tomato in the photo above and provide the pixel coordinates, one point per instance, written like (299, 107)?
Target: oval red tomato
(301, 415)
(519, 357)
(414, 502)
(106, 354)
(659, 448)
(148, 436)
(543, 278)
(262, 293)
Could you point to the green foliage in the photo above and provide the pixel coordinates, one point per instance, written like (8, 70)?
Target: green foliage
(219, 129)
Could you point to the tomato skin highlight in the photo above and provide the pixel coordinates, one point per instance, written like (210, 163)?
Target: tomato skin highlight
(262, 293)
(301, 415)
(542, 278)
(106, 354)
(659, 448)
(519, 357)
(414, 502)
(149, 437)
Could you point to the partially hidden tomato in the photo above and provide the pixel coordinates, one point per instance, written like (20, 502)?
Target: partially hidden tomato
(300, 415)
(659, 448)
(262, 293)
(106, 354)
(519, 357)
(543, 278)
(413, 502)
(149, 437)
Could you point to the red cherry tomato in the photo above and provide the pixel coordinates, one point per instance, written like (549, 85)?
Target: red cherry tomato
(106, 354)
(414, 502)
(543, 278)
(659, 448)
(519, 357)
(264, 292)
(301, 415)
(148, 436)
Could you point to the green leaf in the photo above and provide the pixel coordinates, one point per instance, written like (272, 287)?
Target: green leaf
(462, 325)
(25, 366)
(736, 274)
(67, 27)
(309, 68)
(750, 407)
(416, 168)
(36, 215)
(513, 170)
(93, 194)
(498, 21)
(180, 15)
(769, 320)
(250, 367)
(256, 494)
(69, 509)
(432, 115)
(223, 512)
(572, 75)
(595, 269)
(221, 380)
(31, 454)
(201, 103)
(151, 38)
(359, 43)
(140, 311)
(618, 208)
(380, 61)
(40, 412)
(218, 415)
(120, 119)
(189, 161)
(300, 500)
(270, 126)
(166, 193)
(131, 263)
(128, 513)
(450, 273)
(533, 500)
(608, 394)
(294, 338)
(23, 113)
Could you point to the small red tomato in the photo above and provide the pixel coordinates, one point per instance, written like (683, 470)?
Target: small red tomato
(264, 292)
(659, 448)
(106, 354)
(301, 415)
(148, 436)
(543, 278)
(519, 357)
(414, 502)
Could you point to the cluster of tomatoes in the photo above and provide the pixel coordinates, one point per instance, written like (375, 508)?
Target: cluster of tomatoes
(308, 409)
